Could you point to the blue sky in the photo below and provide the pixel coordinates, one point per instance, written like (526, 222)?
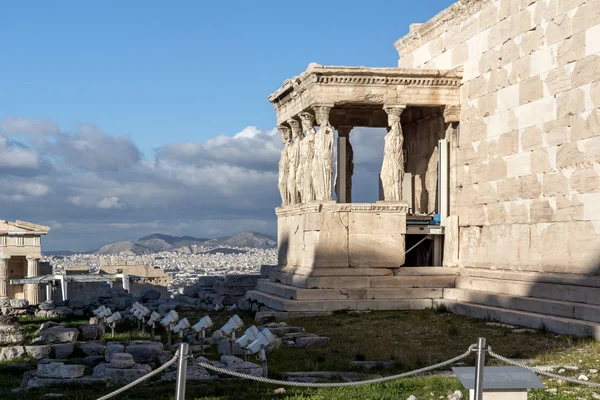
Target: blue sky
(157, 74)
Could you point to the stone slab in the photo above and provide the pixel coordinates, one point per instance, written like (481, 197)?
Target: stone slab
(564, 309)
(562, 326)
(413, 281)
(577, 294)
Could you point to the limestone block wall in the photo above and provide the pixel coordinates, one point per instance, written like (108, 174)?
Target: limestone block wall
(528, 151)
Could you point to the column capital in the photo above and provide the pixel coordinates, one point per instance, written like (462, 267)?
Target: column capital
(394, 109)
(344, 130)
(451, 114)
(322, 111)
(37, 258)
(295, 125)
(285, 134)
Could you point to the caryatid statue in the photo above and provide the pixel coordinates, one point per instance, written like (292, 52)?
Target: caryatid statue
(293, 163)
(392, 169)
(322, 165)
(286, 139)
(307, 150)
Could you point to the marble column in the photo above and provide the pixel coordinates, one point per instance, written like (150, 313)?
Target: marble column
(392, 169)
(345, 165)
(3, 277)
(32, 289)
(322, 166)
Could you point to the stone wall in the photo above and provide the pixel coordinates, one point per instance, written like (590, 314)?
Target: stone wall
(527, 156)
(336, 235)
(422, 153)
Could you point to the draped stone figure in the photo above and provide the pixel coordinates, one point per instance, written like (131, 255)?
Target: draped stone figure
(392, 169)
(307, 150)
(293, 163)
(283, 164)
(322, 165)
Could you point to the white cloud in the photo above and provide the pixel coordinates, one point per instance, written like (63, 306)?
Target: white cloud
(27, 126)
(109, 202)
(15, 157)
(87, 184)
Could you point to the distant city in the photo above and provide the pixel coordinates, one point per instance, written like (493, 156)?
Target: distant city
(185, 258)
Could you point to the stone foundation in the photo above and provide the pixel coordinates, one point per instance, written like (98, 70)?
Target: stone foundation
(334, 235)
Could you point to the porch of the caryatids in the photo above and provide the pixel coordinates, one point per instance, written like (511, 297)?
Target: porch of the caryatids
(307, 150)
(322, 164)
(294, 174)
(392, 169)
(286, 139)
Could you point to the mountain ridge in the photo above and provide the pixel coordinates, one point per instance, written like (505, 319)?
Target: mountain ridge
(157, 242)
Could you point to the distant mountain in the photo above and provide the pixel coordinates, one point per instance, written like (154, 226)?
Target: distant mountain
(59, 253)
(158, 242)
(245, 239)
(124, 247)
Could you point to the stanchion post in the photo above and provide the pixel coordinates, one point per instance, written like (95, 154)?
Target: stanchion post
(479, 367)
(182, 371)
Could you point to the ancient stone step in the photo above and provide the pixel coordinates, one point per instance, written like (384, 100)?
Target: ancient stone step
(426, 271)
(555, 308)
(571, 293)
(292, 292)
(413, 282)
(564, 326)
(562, 279)
(361, 282)
(282, 304)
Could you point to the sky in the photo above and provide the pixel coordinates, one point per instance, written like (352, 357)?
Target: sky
(119, 119)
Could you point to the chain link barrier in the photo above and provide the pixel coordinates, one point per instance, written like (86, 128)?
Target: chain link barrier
(541, 372)
(338, 384)
(261, 379)
(143, 378)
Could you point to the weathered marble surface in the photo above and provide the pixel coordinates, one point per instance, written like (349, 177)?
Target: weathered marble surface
(333, 235)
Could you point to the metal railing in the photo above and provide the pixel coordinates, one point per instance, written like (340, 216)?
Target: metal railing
(481, 348)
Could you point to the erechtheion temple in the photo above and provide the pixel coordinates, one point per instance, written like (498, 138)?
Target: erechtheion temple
(490, 181)
(20, 252)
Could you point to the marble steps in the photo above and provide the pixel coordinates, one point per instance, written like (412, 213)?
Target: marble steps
(296, 293)
(362, 282)
(560, 325)
(556, 308)
(290, 305)
(537, 277)
(549, 291)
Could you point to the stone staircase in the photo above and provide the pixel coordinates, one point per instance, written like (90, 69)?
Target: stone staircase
(560, 303)
(565, 304)
(410, 288)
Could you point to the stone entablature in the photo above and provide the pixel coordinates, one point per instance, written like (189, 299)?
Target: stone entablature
(364, 87)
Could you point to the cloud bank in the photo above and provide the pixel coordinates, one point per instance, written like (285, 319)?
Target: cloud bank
(92, 188)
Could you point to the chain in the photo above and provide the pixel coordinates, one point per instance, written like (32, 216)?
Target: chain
(541, 372)
(337, 384)
(143, 378)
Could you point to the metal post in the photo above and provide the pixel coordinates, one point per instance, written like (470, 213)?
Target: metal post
(263, 359)
(182, 371)
(479, 367)
(48, 292)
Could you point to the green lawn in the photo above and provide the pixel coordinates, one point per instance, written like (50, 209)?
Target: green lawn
(410, 339)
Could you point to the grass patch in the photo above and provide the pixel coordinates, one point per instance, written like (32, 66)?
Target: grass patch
(409, 339)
